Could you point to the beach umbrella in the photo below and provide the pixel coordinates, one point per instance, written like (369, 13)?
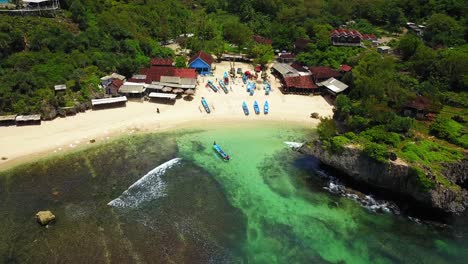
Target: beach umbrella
(176, 91)
(166, 89)
(190, 92)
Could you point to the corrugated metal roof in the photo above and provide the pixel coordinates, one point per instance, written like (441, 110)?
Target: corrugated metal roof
(285, 69)
(60, 87)
(170, 79)
(109, 100)
(8, 118)
(163, 95)
(130, 88)
(22, 118)
(334, 85)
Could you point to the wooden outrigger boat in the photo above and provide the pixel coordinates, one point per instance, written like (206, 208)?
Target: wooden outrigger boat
(266, 108)
(212, 86)
(245, 108)
(226, 78)
(205, 105)
(267, 89)
(221, 83)
(221, 152)
(256, 108)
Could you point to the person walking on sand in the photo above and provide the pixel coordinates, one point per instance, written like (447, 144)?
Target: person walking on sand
(157, 110)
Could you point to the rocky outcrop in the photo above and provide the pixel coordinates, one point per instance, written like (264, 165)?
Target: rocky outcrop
(395, 176)
(45, 217)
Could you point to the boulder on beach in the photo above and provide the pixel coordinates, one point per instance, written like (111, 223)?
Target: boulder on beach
(45, 217)
(315, 115)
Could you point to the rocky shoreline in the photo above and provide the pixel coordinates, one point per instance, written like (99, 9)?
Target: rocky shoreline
(396, 177)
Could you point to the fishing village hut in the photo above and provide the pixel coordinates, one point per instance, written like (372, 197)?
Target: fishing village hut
(286, 57)
(419, 108)
(106, 80)
(167, 96)
(201, 62)
(24, 120)
(262, 40)
(162, 67)
(8, 120)
(109, 102)
(344, 68)
(293, 80)
(346, 37)
(60, 88)
(323, 73)
(384, 49)
(333, 86)
(132, 89)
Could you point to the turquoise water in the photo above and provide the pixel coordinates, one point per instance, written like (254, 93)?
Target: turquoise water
(173, 200)
(4, 1)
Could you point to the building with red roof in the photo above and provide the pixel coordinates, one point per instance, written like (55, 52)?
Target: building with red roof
(161, 62)
(322, 73)
(345, 68)
(201, 62)
(299, 84)
(346, 37)
(262, 40)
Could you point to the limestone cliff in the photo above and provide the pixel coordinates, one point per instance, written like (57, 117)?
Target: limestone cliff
(395, 176)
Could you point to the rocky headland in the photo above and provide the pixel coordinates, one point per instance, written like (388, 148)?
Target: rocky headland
(398, 177)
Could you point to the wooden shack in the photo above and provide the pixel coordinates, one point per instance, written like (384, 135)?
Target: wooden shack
(27, 120)
(8, 120)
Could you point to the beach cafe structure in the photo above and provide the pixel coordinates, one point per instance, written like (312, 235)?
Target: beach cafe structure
(109, 102)
(201, 62)
(8, 120)
(23, 120)
(293, 80)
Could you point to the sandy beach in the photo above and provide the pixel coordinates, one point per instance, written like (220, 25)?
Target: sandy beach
(19, 144)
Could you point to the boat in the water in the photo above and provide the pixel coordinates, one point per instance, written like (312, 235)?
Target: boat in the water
(245, 108)
(205, 105)
(256, 108)
(266, 108)
(251, 88)
(221, 152)
(212, 86)
(221, 83)
(244, 78)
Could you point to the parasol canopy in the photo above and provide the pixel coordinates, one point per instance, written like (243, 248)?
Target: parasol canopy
(166, 89)
(190, 91)
(178, 91)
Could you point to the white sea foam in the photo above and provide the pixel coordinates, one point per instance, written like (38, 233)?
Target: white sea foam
(148, 188)
(294, 145)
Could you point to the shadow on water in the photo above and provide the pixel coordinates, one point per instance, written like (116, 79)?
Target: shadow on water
(185, 226)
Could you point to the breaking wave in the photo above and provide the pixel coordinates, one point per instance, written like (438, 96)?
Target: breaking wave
(148, 188)
(368, 201)
(294, 145)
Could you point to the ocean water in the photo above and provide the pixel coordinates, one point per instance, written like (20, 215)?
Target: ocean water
(168, 198)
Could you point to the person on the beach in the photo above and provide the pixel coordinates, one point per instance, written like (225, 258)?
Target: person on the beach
(157, 110)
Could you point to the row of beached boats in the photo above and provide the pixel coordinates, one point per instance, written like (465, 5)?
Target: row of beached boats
(266, 108)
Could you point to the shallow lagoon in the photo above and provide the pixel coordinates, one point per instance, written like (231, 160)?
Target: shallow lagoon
(264, 206)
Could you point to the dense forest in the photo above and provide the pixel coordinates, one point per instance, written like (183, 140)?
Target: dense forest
(91, 38)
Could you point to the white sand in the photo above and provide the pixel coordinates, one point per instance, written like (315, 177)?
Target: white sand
(21, 143)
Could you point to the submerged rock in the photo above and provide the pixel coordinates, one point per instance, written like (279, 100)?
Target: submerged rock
(45, 217)
(395, 176)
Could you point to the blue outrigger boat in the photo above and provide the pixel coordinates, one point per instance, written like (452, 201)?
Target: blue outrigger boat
(245, 108)
(226, 78)
(205, 105)
(212, 86)
(221, 152)
(221, 83)
(267, 89)
(256, 108)
(266, 108)
(244, 78)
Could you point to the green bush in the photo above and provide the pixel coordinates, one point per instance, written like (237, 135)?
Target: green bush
(357, 123)
(379, 135)
(338, 143)
(400, 124)
(424, 181)
(376, 152)
(449, 130)
(326, 129)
